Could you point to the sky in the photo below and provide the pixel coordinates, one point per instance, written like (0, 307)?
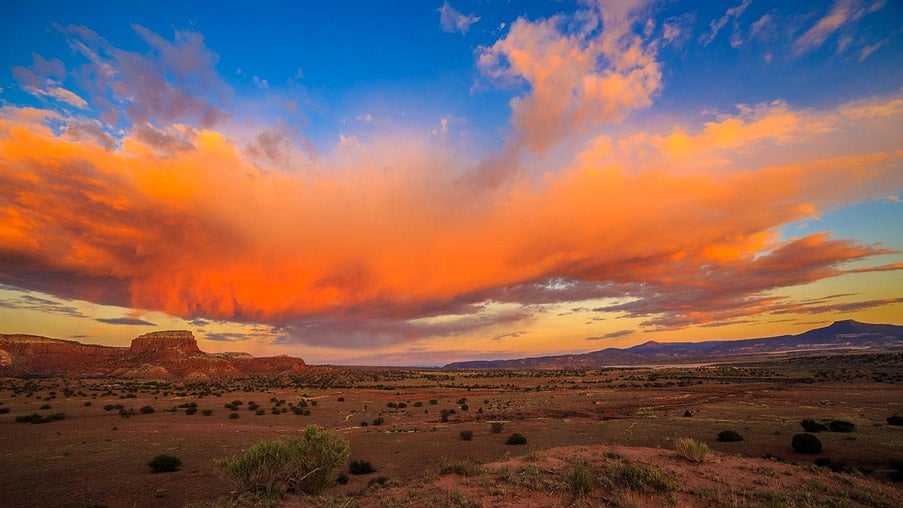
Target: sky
(417, 182)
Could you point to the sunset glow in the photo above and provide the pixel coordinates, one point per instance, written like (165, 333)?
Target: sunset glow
(419, 183)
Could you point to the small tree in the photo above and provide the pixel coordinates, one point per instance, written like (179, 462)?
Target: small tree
(302, 464)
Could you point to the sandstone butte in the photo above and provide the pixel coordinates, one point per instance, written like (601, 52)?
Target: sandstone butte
(157, 355)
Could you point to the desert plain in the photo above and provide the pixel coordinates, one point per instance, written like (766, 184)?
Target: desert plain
(595, 437)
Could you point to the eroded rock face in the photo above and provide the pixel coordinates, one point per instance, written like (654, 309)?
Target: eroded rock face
(165, 344)
(156, 355)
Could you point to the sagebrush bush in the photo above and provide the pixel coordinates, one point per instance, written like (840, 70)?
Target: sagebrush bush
(516, 439)
(164, 464)
(806, 443)
(895, 420)
(303, 464)
(146, 410)
(466, 435)
(496, 427)
(728, 436)
(691, 449)
(841, 426)
(360, 467)
(812, 426)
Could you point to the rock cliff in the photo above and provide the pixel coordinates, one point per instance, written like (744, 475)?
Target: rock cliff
(156, 355)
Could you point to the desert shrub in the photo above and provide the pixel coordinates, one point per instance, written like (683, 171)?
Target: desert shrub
(464, 407)
(516, 439)
(642, 477)
(728, 436)
(360, 467)
(841, 426)
(379, 421)
(260, 412)
(379, 481)
(302, 464)
(392, 405)
(690, 449)
(418, 403)
(433, 402)
(466, 435)
(580, 480)
(146, 410)
(207, 412)
(688, 414)
(4, 410)
(233, 416)
(806, 443)
(496, 427)
(464, 468)
(896, 467)
(343, 478)
(45, 406)
(36, 418)
(341, 399)
(87, 403)
(895, 420)
(164, 464)
(812, 426)
(190, 410)
(837, 467)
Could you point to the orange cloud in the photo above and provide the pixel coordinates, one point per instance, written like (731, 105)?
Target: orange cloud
(570, 91)
(178, 220)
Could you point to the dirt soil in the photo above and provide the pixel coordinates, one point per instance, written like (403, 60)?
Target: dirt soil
(614, 428)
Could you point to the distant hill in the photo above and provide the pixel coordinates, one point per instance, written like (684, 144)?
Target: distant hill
(841, 335)
(156, 355)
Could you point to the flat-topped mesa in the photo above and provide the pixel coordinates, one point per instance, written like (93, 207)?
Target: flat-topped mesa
(165, 344)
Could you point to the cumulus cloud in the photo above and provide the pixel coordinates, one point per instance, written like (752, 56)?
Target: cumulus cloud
(453, 21)
(576, 79)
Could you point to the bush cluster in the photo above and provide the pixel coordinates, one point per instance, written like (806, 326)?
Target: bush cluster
(302, 464)
(36, 418)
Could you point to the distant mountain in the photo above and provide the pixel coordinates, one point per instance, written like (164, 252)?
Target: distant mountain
(841, 335)
(156, 355)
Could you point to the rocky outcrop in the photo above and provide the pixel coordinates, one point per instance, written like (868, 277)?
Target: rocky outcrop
(30, 354)
(166, 344)
(156, 355)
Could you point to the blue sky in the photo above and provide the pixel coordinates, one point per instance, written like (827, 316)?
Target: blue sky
(423, 182)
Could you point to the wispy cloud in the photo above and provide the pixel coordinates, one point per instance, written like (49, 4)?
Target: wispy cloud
(126, 320)
(453, 21)
(716, 25)
(842, 17)
(613, 335)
